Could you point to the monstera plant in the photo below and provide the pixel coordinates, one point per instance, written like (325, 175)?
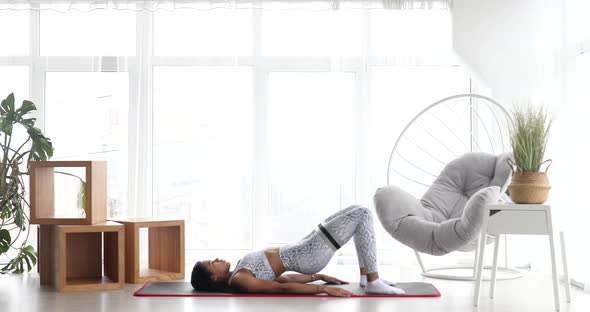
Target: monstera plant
(16, 153)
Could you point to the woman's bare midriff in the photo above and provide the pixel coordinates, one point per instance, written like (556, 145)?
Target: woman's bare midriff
(272, 254)
(274, 259)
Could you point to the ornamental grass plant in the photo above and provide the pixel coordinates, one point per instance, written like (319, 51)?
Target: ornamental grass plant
(529, 133)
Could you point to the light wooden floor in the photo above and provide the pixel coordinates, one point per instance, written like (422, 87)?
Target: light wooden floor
(530, 293)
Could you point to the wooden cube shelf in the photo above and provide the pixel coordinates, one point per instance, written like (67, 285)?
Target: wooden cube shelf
(43, 210)
(165, 254)
(71, 256)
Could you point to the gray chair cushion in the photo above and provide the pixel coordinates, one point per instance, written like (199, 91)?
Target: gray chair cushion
(450, 214)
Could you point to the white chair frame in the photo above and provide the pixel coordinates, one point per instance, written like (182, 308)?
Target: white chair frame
(507, 272)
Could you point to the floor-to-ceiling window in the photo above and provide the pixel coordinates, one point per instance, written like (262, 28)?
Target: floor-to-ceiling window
(248, 123)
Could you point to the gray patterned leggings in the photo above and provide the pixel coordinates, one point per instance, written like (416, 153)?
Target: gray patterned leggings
(311, 254)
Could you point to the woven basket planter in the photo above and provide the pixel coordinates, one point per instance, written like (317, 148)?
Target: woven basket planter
(529, 187)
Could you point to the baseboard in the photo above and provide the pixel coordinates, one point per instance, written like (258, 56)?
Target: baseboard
(580, 285)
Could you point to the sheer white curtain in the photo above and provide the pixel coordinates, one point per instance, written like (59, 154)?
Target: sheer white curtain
(245, 122)
(86, 5)
(571, 121)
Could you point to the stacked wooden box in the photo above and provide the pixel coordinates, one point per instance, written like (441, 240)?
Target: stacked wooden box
(165, 250)
(79, 253)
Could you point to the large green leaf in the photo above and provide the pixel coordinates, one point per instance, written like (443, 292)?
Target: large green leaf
(82, 195)
(6, 209)
(19, 216)
(6, 123)
(41, 147)
(4, 241)
(28, 122)
(26, 255)
(9, 115)
(25, 108)
(7, 104)
(5, 213)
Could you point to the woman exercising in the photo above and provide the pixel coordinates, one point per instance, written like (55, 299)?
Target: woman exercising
(262, 271)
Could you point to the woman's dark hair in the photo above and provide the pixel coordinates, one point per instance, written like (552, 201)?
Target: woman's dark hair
(202, 279)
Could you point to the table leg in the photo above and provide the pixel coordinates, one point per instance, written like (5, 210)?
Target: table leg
(565, 271)
(554, 271)
(494, 266)
(482, 246)
(474, 272)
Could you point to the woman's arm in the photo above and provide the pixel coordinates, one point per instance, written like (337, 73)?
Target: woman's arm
(307, 278)
(250, 284)
(298, 278)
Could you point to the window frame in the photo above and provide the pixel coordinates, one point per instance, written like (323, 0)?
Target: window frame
(261, 65)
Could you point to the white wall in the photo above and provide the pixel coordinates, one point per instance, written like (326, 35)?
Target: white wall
(518, 50)
(513, 47)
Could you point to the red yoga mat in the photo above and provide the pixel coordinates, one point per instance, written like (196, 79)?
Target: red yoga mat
(185, 289)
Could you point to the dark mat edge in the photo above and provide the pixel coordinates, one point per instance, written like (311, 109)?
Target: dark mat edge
(138, 294)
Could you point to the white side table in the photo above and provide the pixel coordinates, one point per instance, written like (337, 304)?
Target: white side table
(519, 219)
